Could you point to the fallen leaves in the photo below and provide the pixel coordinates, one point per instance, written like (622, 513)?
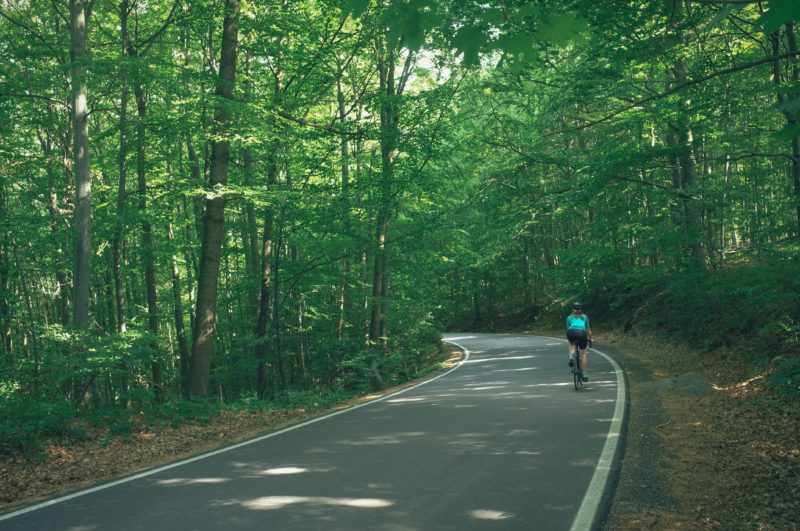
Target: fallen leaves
(730, 458)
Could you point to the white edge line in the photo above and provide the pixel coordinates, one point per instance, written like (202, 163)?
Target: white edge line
(596, 490)
(176, 464)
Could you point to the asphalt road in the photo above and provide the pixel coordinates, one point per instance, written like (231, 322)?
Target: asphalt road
(501, 442)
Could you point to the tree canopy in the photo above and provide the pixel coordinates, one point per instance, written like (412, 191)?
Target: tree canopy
(234, 200)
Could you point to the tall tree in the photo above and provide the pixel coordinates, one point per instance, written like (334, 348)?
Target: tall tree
(83, 182)
(214, 215)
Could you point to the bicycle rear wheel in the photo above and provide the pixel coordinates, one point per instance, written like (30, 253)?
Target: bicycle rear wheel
(576, 373)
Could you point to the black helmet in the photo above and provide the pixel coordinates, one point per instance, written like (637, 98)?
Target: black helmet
(576, 306)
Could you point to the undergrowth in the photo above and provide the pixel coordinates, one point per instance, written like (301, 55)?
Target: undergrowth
(27, 425)
(752, 305)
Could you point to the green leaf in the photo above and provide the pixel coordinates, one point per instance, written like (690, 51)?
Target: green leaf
(791, 106)
(494, 17)
(516, 65)
(355, 8)
(468, 41)
(788, 132)
(529, 10)
(414, 31)
(722, 15)
(788, 88)
(779, 13)
(515, 44)
(562, 29)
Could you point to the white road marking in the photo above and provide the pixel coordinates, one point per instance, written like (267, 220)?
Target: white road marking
(587, 512)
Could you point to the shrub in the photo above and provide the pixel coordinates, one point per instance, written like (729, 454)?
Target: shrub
(26, 425)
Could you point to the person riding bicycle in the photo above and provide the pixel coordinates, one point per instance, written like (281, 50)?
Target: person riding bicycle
(579, 334)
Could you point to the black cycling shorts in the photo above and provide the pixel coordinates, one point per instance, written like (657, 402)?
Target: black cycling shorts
(580, 337)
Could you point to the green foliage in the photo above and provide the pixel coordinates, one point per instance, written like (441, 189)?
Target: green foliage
(707, 309)
(557, 174)
(124, 423)
(194, 411)
(359, 371)
(785, 380)
(26, 425)
(294, 400)
(778, 13)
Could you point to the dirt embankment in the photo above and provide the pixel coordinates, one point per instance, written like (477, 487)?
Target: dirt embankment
(708, 444)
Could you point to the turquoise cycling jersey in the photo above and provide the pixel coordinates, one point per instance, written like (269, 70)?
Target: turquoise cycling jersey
(576, 323)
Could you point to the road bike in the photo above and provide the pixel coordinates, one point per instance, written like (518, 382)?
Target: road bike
(577, 371)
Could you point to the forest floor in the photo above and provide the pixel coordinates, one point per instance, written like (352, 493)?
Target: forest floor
(727, 458)
(722, 457)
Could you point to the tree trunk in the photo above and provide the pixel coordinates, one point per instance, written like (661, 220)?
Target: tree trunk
(250, 239)
(147, 236)
(791, 117)
(214, 215)
(180, 327)
(83, 183)
(6, 317)
(265, 301)
(55, 216)
(82, 387)
(388, 139)
(264, 307)
(688, 167)
(389, 92)
(116, 265)
(276, 308)
(345, 295)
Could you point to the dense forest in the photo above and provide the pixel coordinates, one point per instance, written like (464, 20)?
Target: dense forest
(215, 200)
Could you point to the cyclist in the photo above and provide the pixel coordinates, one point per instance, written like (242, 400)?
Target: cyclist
(579, 333)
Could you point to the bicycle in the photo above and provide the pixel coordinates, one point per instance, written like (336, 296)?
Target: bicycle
(577, 371)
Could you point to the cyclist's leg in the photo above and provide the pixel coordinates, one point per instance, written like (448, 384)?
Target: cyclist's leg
(573, 348)
(582, 344)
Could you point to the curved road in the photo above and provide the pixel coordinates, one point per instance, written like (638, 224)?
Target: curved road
(501, 442)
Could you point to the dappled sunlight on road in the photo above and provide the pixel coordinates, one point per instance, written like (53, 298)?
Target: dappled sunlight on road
(497, 383)
(284, 471)
(601, 400)
(584, 463)
(405, 400)
(271, 503)
(557, 384)
(179, 482)
(512, 442)
(486, 514)
(258, 470)
(388, 438)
